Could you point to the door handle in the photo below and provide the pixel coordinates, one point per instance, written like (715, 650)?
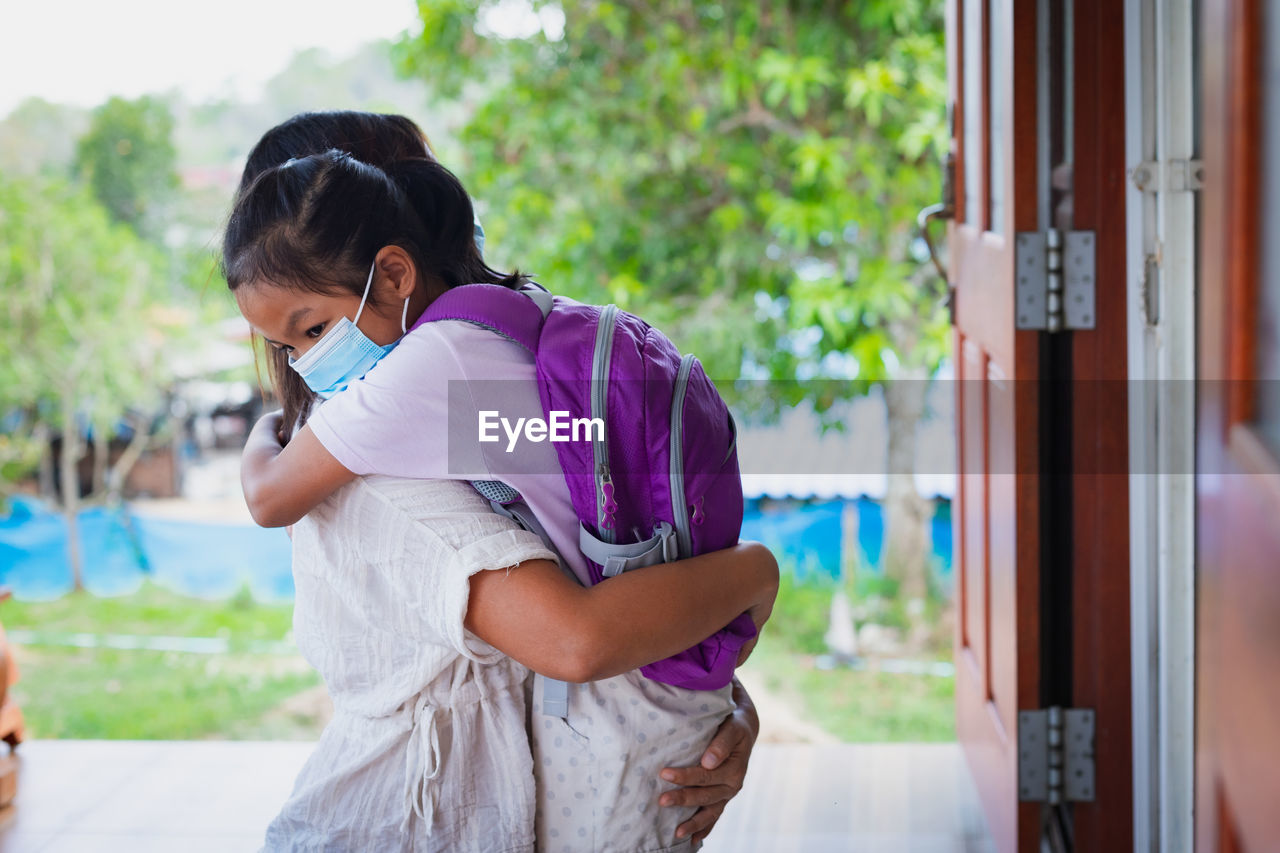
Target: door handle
(945, 209)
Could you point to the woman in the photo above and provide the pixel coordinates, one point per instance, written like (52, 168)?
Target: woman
(427, 748)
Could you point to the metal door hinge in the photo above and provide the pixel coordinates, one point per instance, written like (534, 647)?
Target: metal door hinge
(1055, 755)
(1054, 280)
(1154, 176)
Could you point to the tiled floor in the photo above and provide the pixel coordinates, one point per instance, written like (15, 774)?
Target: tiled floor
(193, 797)
(880, 798)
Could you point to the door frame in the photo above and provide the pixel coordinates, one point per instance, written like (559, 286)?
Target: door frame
(1162, 246)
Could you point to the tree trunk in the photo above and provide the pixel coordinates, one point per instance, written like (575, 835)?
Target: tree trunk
(47, 477)
(905, 511)
(842, 632)
(70, 463)
(101, 458)
(132, 453)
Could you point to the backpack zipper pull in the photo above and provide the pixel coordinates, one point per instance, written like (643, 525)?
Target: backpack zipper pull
(606, 489)
(697, 511)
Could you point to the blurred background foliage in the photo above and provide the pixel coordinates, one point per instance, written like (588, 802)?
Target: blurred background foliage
(109, 227)
(747, 175)
(744, 176)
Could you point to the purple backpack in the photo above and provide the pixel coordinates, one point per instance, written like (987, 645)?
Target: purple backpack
(662, 482)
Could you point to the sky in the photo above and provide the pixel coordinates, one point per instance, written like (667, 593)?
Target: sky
(83, 51)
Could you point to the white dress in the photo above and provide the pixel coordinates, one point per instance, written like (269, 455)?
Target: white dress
(427, 749)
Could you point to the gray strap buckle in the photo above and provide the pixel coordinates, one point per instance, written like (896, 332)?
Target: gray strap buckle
(616, 559)
(555, 697)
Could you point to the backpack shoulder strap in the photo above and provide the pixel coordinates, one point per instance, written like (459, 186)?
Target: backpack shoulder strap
(514, 314)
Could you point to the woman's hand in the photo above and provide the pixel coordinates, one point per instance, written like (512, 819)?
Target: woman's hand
(721, 773)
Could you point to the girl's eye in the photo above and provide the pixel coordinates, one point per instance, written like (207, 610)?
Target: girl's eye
(314, 331)
(284, 348)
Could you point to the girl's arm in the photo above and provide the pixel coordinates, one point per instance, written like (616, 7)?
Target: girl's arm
(282, 484)
(552, 625)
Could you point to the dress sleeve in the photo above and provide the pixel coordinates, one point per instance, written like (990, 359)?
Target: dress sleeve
(498, 552)
(450, 520)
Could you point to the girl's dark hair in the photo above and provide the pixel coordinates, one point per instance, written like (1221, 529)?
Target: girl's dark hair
(314, 218)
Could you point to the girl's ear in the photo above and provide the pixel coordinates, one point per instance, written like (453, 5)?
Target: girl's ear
(397, 274)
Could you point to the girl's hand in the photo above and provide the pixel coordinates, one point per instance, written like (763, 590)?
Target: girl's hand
(763, 608)
(284, 478)
(269, 427)
(721, 773)
(759, 614)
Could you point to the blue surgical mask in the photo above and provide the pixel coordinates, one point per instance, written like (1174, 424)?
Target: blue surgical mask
(344, 354)
(479, 232)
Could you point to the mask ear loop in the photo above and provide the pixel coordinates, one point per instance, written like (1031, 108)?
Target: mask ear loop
(362, 299)
(367, 285)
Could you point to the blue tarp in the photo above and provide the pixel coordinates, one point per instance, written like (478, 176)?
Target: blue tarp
(808, 535)
(214, 560)
(119, 548)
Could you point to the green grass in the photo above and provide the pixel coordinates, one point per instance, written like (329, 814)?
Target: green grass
(856, 705)
(134, 694)
(144, 695)
(799, 620)
(153, 610)
(131, 694)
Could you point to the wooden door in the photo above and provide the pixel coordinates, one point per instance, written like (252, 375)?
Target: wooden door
(1238, 435)
(991, 63)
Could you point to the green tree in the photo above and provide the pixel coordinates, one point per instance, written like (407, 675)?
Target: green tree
(39, 137)
(81, 336)
(745, 175)
(128, 158)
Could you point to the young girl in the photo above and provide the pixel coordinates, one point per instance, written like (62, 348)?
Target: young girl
(293, 264)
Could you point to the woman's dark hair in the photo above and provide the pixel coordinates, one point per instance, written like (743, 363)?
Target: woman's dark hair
(313, 218)
(369, 137)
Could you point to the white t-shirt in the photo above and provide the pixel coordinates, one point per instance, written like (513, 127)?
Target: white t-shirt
(417, 414)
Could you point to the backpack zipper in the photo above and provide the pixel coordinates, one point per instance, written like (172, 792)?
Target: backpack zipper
(679, 507)
(600, 361)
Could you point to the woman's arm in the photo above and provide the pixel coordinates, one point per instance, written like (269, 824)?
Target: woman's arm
(552, 625)
(282, 484)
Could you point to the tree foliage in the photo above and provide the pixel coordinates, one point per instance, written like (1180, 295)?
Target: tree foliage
(81, 293)
(39, 137)
(82, 335)
(129, 160)
(745, 175)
